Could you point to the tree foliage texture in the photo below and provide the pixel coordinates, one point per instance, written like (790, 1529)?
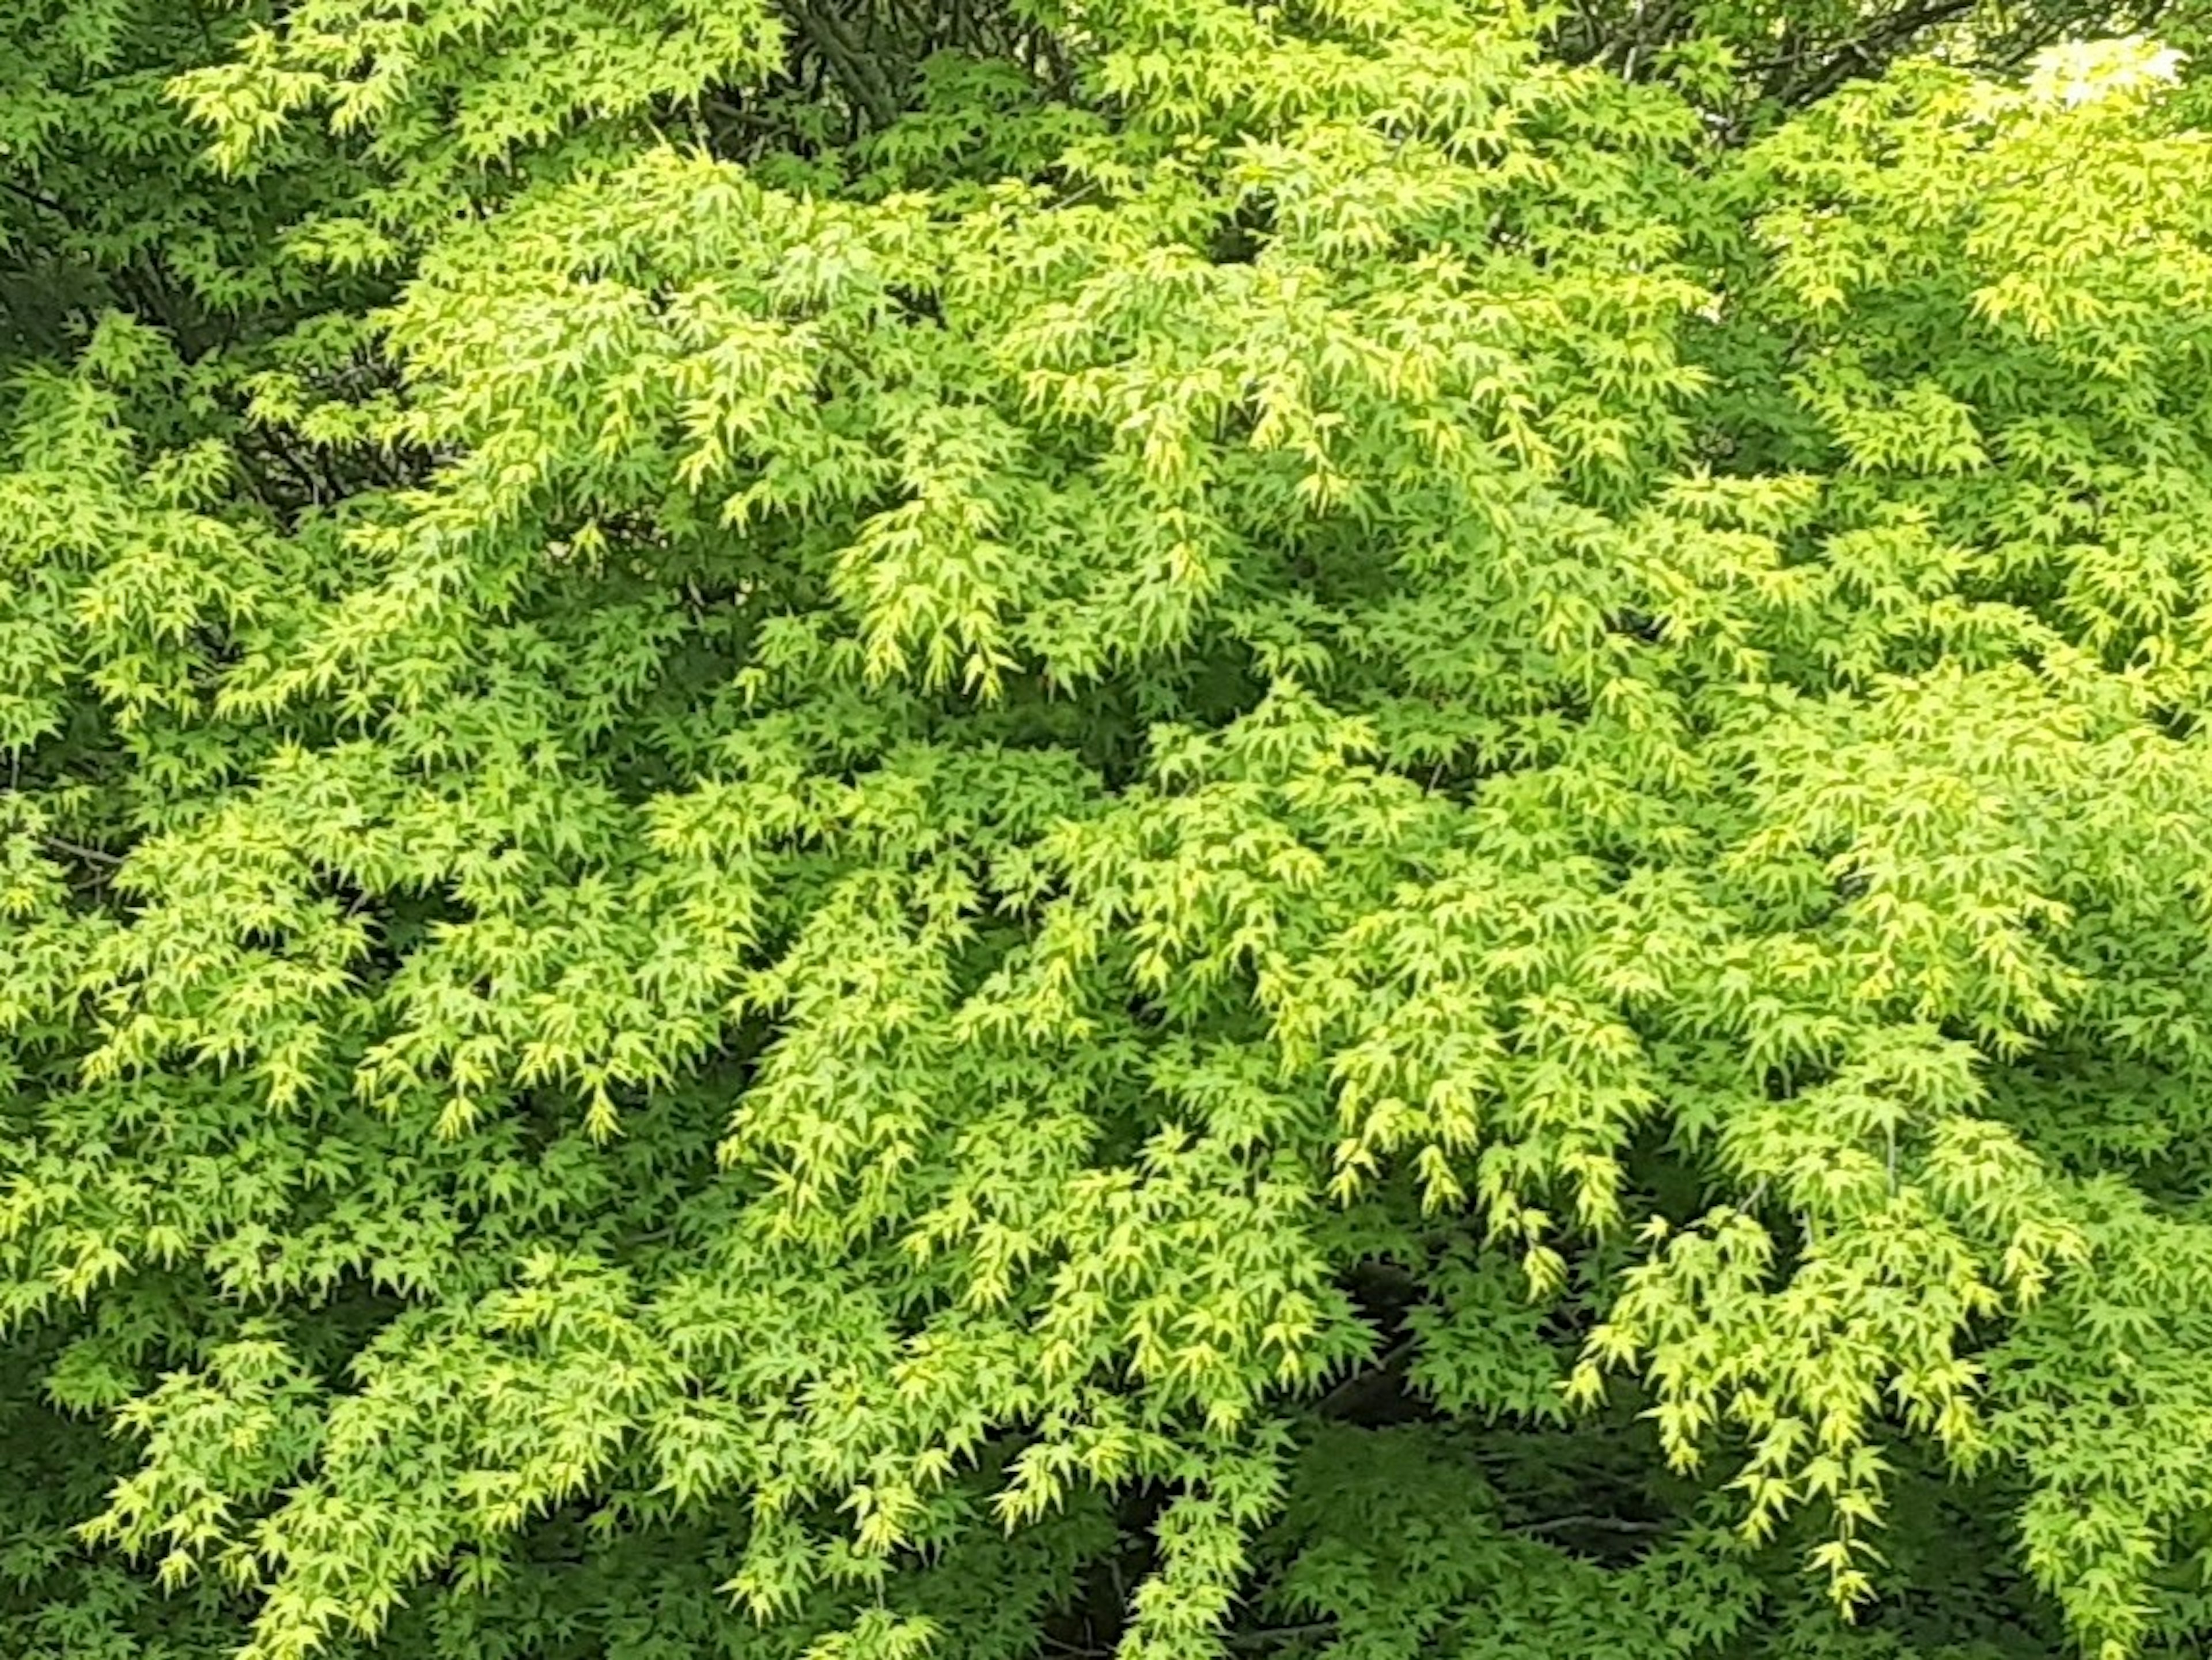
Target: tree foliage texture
(1344, 829)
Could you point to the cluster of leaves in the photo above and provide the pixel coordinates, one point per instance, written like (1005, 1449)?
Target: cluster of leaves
(848, 831)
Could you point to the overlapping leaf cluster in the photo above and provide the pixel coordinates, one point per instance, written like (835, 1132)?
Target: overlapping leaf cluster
(1372, 827)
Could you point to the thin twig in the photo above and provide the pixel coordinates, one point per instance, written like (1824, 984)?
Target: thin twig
(1275, 1634)
(77, 850)
(1595, 1523)
(37, 200)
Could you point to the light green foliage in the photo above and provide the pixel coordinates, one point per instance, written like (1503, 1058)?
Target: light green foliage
(1365, 829)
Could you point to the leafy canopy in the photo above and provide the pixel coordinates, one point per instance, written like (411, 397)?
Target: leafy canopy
(1354, 829)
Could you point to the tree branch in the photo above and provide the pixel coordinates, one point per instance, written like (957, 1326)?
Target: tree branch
(854, 72)
(37, 200)
(78, 850)
(1594, 1523)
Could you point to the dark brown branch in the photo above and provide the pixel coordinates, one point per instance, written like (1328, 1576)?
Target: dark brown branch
(855, 73)
(1865, 53)
(1379, 1375)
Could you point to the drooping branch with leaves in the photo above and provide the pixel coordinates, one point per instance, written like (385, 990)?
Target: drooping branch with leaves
(1151, 827)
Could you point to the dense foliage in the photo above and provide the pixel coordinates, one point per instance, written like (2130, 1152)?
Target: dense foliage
(869, 828)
